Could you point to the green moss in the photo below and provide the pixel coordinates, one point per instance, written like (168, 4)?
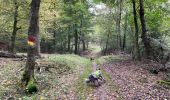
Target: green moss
(31, 87)
(164, 83)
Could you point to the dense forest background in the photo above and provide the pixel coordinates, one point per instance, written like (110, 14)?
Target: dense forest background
(137, 28)
(69, 26)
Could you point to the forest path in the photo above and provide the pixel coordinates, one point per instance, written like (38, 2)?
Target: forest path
(102, 92)
(132, 80)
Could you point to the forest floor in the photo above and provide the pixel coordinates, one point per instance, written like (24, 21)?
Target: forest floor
(125, 79)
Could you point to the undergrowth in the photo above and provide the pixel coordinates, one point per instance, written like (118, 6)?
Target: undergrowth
(49, 85)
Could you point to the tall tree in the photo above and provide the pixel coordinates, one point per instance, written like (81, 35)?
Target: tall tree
(15, 28)
(144, 36)
(32, 32)
(118, 11)
(136, 54)
(76, 39)
(125, 31)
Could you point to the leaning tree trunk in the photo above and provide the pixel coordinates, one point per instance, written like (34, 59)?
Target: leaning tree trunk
(144, 36)
(32, 31)
(136, 44)
(15, 29)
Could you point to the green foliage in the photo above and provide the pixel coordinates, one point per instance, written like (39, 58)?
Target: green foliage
(108, 2)
(31, 87)
(155, 15)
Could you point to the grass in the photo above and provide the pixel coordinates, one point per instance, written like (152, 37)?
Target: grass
(94, 48)
(81, 88)
(164, 83)
(70, 60)
(108, 59)
(9, 77)
(48, 83)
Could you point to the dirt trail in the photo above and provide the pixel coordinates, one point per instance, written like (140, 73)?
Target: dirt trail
(133, 82)
(102, 92)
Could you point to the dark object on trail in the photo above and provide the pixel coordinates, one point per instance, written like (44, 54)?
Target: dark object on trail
(153, 71)
(95, 81)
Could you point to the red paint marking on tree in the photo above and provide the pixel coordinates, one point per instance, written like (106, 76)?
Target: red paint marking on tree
(31, 38)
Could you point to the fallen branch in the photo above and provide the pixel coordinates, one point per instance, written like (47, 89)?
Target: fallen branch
(10, 55)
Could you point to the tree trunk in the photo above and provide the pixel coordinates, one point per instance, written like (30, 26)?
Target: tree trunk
(78, 44)
(76, 40)
(37, 51)
(15, 29)
(32, 31)
(84, 43)
(107, 41)
(119, 22)
(144, 36)
(69, 39)
(125, 30)
(54, 41)
(136, 44)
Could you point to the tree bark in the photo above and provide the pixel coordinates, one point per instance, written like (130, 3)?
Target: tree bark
(69, 39)
(54, 41)
(37, 51)
(136, 44)
(144, 36)
(15, 28)
(119, 22)
(33, 30)
(125, 30)
(84, 43)
(107, 41)
(76, 40)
